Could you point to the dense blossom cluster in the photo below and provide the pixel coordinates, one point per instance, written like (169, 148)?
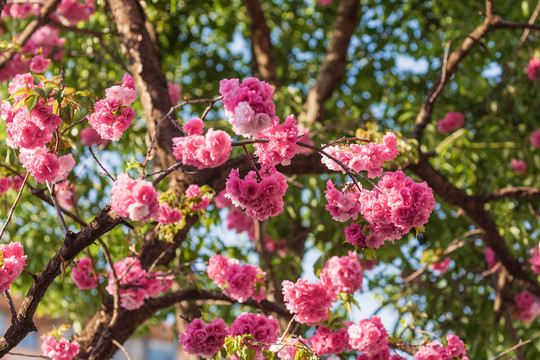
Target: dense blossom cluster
(287, 347)
(175, 92)
(168, 215)
(59, 349)
(519, 166)
(204, 339)
(31, 131)
(239, 281)
(203, 151)
(83, 276)
(135, 284)
(453, 120)
(236, 219)
(13, 262)
(43, 44)
(369, 157)
(369, 336)
(65, 193)
(12, 182)
(264, 330)
(198, 200)
(309, 301)
(342, 205)
(344, 272)
(73, 11)
(396, 206)
(136, 199)
(282, 146)
(326, 342)
(248, 105)
(261, 197)
(527, 306)
(112, 114)
(455, 349)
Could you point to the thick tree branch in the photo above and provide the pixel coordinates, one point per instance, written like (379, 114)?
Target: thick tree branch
(260, 40)
(517, 26)
(523, 192)
(333, 67)
(73, 245)
(481, 217)
(40, 20)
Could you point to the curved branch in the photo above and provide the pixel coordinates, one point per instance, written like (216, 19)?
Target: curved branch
(481, 217)
(523, 192)
(73, 245)
(40, 20)
(333, 67)
(261, 43)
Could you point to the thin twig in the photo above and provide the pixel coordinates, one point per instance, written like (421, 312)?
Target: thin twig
(123, 349)
(52, 190)
(100, 165)
(344, 139)
(164, 173)
(11, 305)
(73, 125)
(12, 210)
(116, 285)
(29, 355)
(34, 276)
(252, 162)
(518, 345)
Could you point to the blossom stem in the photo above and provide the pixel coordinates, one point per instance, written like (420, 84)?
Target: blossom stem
(12, 210)
(52, 190)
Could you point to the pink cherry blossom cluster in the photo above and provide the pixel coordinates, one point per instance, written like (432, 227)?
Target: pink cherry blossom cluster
(441, 266)
(263, 329)
(310, 302)
(453, 120)
(370, 337)
(168, 215)
(22, 10)
(239, 281)
(276, 246)
(344, 272)
(90, 136)
(175, 92)
(354, 234)
(535, 259)
(326, 342)
(12, 265)
(202, 151)
(83, 276)
(236, 219)
(196, 197)
(204, 339)
(12, 182)
(282, 146)
(248, 105)
(65, 193)
(396, 206)
(455, 349)
(72, 11)
(59, 349)
(533, 68)
(369, 157)
(31, 131)
(136, 284)
(535, 138)
(112, 114)
(519, 166)
(342, 205)
(324, 2)
(527, 306)
(135, 199)
(45, 166)
(43, 44)
(262, 197)
(287, 347)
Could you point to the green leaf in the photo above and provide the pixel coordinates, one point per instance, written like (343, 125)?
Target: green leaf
(370, 254)
(31, 102)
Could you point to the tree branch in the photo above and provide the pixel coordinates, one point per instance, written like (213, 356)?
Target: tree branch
(73, 245)
(333, 67)
(510, 192)
(260, 41)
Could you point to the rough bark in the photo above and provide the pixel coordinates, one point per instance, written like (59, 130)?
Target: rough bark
(261, 44)
(333, 67)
